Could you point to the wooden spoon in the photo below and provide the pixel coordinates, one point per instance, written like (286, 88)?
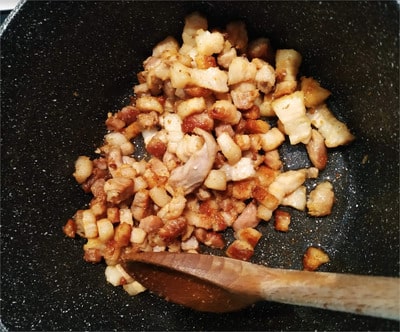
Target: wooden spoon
(221, 284)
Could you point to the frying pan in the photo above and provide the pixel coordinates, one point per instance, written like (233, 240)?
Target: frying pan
(65, 65)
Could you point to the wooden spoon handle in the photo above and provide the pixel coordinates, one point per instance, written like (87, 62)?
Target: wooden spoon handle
(366, 295)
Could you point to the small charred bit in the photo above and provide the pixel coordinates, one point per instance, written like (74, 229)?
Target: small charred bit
(122, 118)
(252, 113)
(313, 258)
(122, 234)
(240, 249)
(92, 255)
(264, 197)
(156, 147)
(237, 35)
(112, 252)
(317, 151)
(151, 224)
(196, 91)
(69, 228)
(100, 171)
(118, 189)
(261, 48)
(97, 188)
(210, 238)
(140, 206)
(128, 114)
(256, 126)
(205, 61)
(199, 120)
(114, 124)
(249, 234)
(173, 229)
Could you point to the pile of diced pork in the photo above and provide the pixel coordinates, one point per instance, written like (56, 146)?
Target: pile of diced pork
(213, 160)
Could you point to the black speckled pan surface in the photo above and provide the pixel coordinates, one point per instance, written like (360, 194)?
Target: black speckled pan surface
(65, 65)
